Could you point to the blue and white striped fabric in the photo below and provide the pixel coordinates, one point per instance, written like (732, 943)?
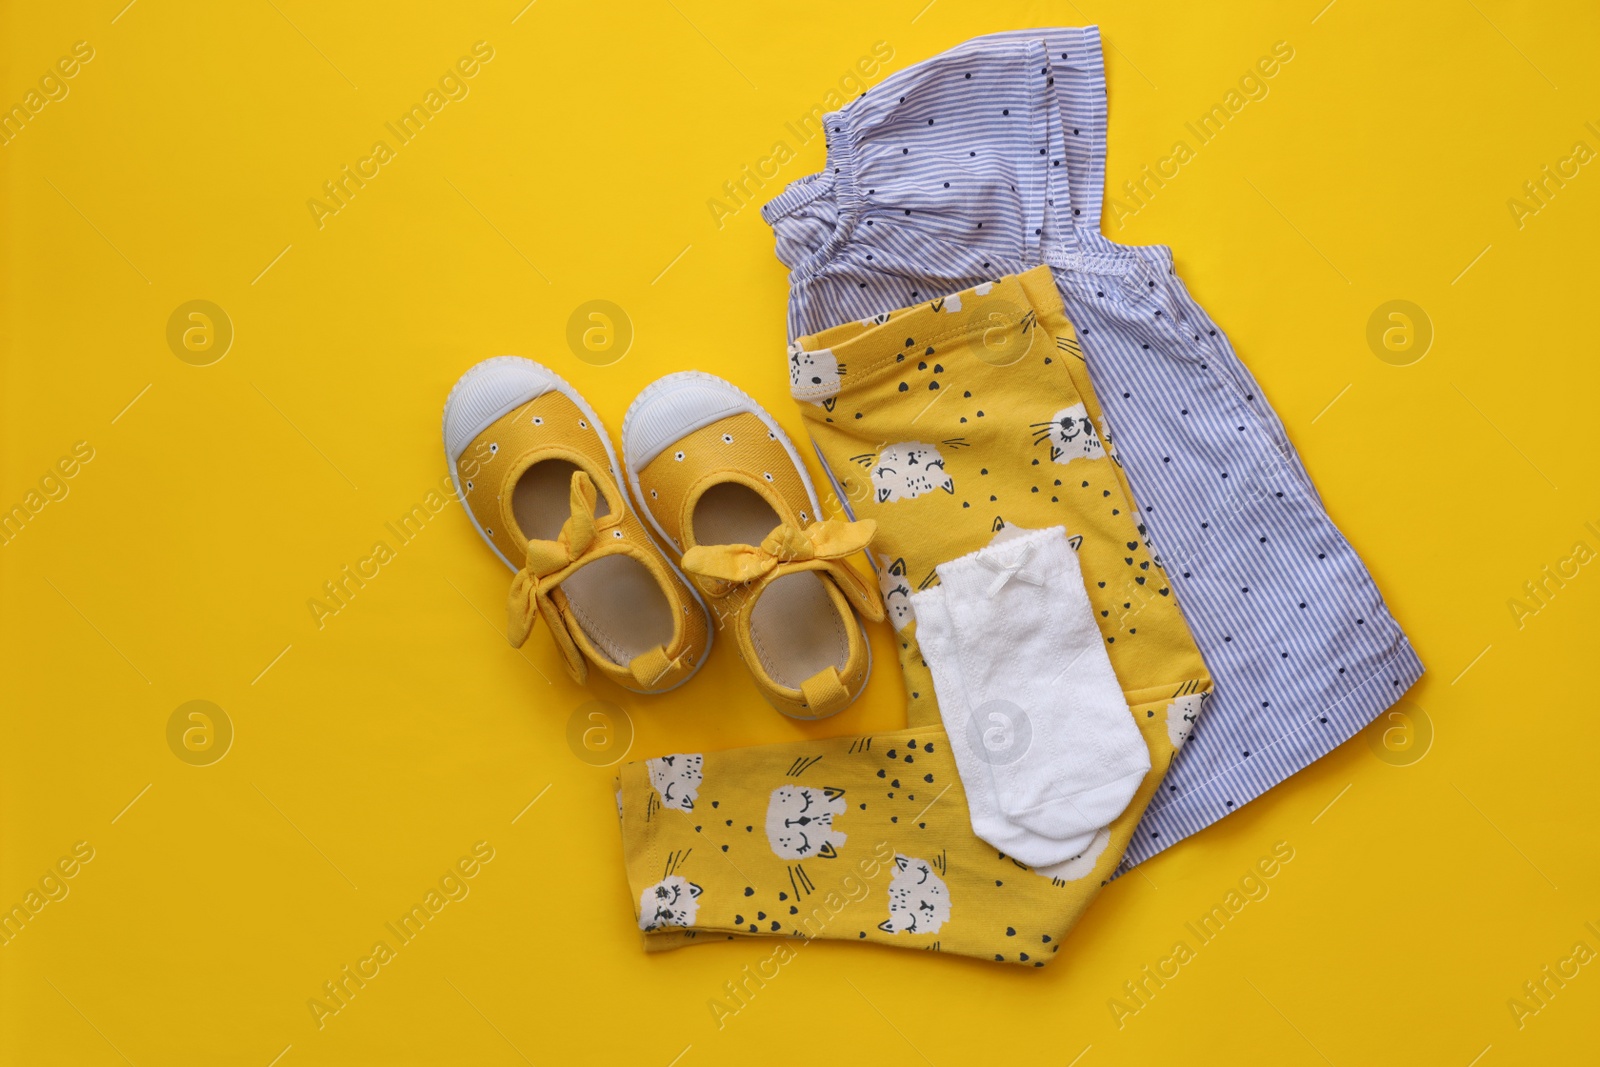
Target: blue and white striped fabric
(989, 160)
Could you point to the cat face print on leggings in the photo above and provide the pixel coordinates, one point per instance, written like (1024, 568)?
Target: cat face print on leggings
(919, 901)
(814, 376)
(800, 821)
(952, 303)
(1181, 716)
(677, 778)
(906, 471)
(1070, 435)
(1080, 866)
(673, 901)
(896, 590)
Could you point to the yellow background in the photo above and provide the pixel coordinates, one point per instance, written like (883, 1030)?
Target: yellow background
(373, 752)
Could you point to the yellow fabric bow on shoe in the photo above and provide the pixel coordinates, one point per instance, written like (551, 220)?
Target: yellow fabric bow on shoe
(820, 546)
(546, 565)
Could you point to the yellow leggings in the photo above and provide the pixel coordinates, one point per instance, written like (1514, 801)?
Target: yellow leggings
(947, 422)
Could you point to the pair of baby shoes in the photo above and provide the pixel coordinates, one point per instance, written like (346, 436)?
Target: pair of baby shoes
(723, 489)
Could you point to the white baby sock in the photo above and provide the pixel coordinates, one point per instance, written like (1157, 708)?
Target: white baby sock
(1044, 742)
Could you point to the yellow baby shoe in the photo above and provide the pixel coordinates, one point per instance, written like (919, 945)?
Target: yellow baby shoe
(721, 483)
(541, 483)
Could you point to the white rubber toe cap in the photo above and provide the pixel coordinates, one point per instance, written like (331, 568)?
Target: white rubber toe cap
(485, 393)
(673, 407)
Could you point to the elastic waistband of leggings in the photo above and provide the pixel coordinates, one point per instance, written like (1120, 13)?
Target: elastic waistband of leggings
(867, 349)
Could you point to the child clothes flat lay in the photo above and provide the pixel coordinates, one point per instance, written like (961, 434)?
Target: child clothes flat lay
(1079, 505)
(992, 445)
(990, 159)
